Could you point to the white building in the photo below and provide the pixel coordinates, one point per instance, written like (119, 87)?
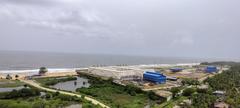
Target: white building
(117, 72)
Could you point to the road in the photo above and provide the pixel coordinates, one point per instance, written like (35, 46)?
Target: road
(37, 85)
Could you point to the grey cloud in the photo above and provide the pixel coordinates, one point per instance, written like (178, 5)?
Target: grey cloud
(28, 2)
(147, 27)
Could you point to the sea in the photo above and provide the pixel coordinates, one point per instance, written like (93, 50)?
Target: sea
(23, 60)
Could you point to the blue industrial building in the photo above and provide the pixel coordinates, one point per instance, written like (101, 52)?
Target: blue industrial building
(155, 77)
(211, 69)
(176, 69)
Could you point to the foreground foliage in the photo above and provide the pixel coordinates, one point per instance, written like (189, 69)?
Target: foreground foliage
(30, 98)
(228, 81)
(117, 96)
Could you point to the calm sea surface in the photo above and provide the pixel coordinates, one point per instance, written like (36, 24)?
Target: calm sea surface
(33, 60)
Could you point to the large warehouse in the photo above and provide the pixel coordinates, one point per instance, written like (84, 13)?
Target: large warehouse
(155, 77)
(211, 69)
(117, 72)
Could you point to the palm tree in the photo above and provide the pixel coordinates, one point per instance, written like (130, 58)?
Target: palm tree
(43, 70)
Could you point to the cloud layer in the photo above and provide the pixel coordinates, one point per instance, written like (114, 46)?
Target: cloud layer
(147, 27)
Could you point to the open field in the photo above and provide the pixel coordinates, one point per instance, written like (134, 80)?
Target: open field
(188, 73)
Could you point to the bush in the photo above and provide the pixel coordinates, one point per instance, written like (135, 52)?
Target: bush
(190, 81)
(188, 91)
(202, 100)
(175, 90)
(132, 90)
(152, 95)
(25, 92)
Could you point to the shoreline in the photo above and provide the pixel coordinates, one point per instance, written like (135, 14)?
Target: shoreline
(59, 70)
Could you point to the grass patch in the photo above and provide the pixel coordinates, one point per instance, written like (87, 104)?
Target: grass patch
(171, 103)
(4, 83)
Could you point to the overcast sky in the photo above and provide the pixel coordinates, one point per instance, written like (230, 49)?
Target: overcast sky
(178, 28)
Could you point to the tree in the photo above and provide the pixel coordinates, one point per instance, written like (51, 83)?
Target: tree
(201, 100)
(8, 77)
(190, 81)
(43, 70)
(25, 85)
(25, 92)
(188, 91)
(152, 95)
(39, 104)
(175, 91)
(48, 96)
(132, 89)
(16, 76)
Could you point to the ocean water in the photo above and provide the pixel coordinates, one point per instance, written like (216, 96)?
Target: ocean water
(13, 60)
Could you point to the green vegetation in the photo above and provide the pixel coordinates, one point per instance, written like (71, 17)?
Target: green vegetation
(202, 100)
(36, 102)
(175, 91)
(190, 81)
(25, 92)
(116, 96)
(228, 81)
(30, 98)
(4, 83)
(188, 91)
(54, 80)
(221, 63)
(171, 103)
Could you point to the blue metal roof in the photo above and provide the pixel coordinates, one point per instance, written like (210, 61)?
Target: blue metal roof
(154, 77)
(211, 69)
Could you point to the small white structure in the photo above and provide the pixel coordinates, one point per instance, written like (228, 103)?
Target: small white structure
(219, 93)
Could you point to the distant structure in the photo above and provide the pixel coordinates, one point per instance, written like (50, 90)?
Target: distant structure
(154, 77)
(211, 69)
(219, 93)
(42, 71)
(176, 69)
(115, 72)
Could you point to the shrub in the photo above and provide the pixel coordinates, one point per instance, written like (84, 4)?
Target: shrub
(25, 92)
(188, 91)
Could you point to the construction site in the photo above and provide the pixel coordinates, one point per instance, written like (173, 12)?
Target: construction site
(157, 78)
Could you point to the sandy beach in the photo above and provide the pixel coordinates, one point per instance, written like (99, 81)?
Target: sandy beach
(65, 72)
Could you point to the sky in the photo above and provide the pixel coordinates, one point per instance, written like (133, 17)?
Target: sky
(166, 28)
